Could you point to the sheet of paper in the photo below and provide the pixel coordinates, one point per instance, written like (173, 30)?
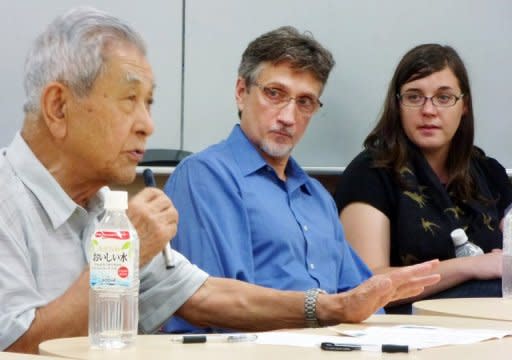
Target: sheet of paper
(415, 336)
(294, 339)
(419, 336)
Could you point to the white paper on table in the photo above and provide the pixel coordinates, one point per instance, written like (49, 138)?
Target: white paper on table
(415, 336)
(295, 339)
(420, 336)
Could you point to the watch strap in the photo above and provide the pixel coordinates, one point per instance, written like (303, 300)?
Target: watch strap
(310, 301)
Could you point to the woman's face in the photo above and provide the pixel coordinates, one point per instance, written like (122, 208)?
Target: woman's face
(432, 127)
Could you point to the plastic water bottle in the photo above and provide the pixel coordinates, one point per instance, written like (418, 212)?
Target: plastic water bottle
(114, 277)
(462, 246)
(506, 277)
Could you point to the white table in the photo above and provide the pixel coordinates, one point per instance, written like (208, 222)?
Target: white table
(479, 308)
(159, 347)
(15, 356)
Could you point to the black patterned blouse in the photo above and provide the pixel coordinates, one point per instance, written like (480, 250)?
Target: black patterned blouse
(423, 214)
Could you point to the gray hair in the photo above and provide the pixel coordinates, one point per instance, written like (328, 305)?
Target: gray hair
(71, 51)
(286, 44)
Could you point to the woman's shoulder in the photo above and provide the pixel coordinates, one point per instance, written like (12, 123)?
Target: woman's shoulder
(366, 164)
(363, 175)
(363, 181)
(495, 176)
(492, 166)
(363, 160)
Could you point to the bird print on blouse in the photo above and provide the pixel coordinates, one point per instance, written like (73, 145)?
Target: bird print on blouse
(456, 212)
(487, 220)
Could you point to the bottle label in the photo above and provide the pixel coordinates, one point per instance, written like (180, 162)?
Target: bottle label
(112, 258)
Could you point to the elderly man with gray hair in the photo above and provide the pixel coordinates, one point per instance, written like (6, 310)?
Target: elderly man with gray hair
(87, 118)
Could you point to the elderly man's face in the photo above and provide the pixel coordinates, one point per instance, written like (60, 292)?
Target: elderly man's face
(108, 128)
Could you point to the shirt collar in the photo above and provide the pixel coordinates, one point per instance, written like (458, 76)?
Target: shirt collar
(54, 200)
(250, 160)
(246, 155)
(297, 177)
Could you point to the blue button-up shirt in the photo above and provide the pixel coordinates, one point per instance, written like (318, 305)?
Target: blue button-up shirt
(239, 220)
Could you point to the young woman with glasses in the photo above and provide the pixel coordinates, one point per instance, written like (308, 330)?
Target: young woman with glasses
(420, 176)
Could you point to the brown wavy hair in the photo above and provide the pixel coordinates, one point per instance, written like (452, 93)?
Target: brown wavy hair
(388, 142)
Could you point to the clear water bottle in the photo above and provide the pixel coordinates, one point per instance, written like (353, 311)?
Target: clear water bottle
(462, 246)
(506, 277)
(114, 277)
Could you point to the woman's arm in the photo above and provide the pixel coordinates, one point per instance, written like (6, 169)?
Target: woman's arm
(368, 231)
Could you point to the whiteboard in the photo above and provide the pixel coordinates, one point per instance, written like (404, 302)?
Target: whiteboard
(367, 38)
(160, 26)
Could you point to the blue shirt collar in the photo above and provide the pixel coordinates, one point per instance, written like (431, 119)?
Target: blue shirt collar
(250, 160)
(55, 201)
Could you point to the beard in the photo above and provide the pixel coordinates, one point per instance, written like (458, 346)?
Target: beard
(275, 149)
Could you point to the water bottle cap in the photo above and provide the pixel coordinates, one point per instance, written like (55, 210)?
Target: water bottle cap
(459, 236)
(116, 200)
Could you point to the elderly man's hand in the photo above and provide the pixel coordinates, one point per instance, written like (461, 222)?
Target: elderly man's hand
(156, 220)
(410, 281)
(359, 303)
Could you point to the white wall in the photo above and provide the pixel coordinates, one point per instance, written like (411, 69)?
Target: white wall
(159, 22)
(367, 37)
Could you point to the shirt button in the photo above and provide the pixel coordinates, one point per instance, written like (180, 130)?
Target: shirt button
(305, 227)
(312, 266)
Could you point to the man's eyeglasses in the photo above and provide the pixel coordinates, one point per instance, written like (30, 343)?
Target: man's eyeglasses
(418, 100)
(306, 104)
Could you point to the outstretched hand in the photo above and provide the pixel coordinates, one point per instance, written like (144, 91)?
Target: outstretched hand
(361, 302)
(410, 281)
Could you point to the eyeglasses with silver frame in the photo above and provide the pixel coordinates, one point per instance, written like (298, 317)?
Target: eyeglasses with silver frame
(306, 104)
(412, 99)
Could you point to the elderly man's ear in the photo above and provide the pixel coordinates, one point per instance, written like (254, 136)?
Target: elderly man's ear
(54, 103)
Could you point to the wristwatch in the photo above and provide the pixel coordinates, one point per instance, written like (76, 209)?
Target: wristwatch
(310, 299)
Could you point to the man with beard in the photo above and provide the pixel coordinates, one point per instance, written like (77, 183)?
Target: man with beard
(250, 212)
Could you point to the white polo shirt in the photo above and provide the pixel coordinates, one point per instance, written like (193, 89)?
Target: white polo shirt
(44, 239)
